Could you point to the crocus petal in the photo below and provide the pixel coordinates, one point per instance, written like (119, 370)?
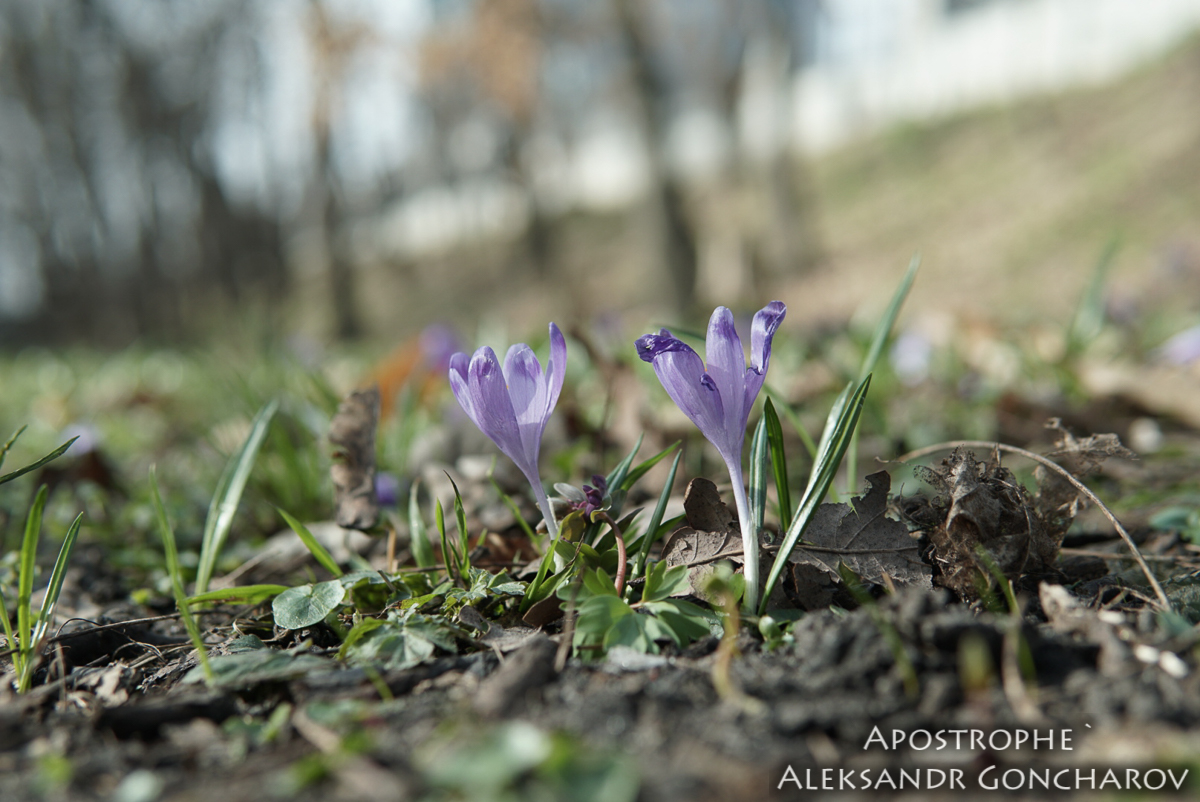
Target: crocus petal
(556, 368)
(681, 372)
(459, 364)
(527, 391)
(762, 331)
(526, 385)
(493, 409)
(727, 366)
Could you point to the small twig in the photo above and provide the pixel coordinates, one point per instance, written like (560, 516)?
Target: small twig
(704, 560)
(722, 675)
(1178, 559)
(96, 628)
(568, 633)
(1080, 486)
(391, 549)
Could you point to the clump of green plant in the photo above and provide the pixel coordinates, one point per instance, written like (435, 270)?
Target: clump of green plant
(25, 641)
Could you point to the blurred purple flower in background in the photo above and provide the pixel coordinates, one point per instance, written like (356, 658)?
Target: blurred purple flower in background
(718, 399)
(387, 489)
(1182, 349)
(87, 438)
(512, 404)
(911, 357)
(438, 344)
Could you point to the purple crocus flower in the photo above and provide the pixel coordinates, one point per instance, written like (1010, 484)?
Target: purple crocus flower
(511, 404)
(718, 398)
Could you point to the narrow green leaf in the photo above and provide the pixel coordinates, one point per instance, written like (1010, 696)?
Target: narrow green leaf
(229, 494)
(758, 476)
(8, 445)
(57, 574)
(641, 470)
(245, 594)
(448, 554)
(513, 508)
(836, 413)
(617, 478)
(9, 640)
(28, 556)
(650, 535)
(460, 521)
(834, 441)
(53, 455)
(778, 463)
(1088, 320)
(540, 588)
(793, 419)
(176, 576)
(319, 552)
(418, 532)
(883, 329)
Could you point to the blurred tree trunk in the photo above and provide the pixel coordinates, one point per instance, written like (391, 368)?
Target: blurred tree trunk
(651, 95)
(100, 105)
(331, 47)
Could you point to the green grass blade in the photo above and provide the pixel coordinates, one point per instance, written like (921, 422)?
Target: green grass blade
(758, 475)
(838, 438)
(792, 418)
(1088, 320)
(9, 639)
(176, 575)
(28, 558)
(656, 517)
(825, 446)
(53, 590)
(53, 455)
(8, 445)
(617, 478)
(228, 495)
(642, 469)
(778, 463)
(460, 521)
(57, 574)
(449, 556)
(883, 331)
(245, 594)
(319, 552)
(418, 532)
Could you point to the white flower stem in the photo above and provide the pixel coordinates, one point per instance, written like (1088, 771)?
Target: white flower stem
(543, 502)
(749, 538)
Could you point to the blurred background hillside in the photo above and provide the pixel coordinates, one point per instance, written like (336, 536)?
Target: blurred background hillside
(340, 169)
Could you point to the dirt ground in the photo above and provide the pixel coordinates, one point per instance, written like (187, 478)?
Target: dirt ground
(859, 701)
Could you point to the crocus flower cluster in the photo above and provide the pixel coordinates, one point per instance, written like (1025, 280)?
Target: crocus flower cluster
(512, 404)
(718, 398)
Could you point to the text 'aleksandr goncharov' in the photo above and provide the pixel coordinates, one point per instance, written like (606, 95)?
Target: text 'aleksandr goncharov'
(991, 778)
